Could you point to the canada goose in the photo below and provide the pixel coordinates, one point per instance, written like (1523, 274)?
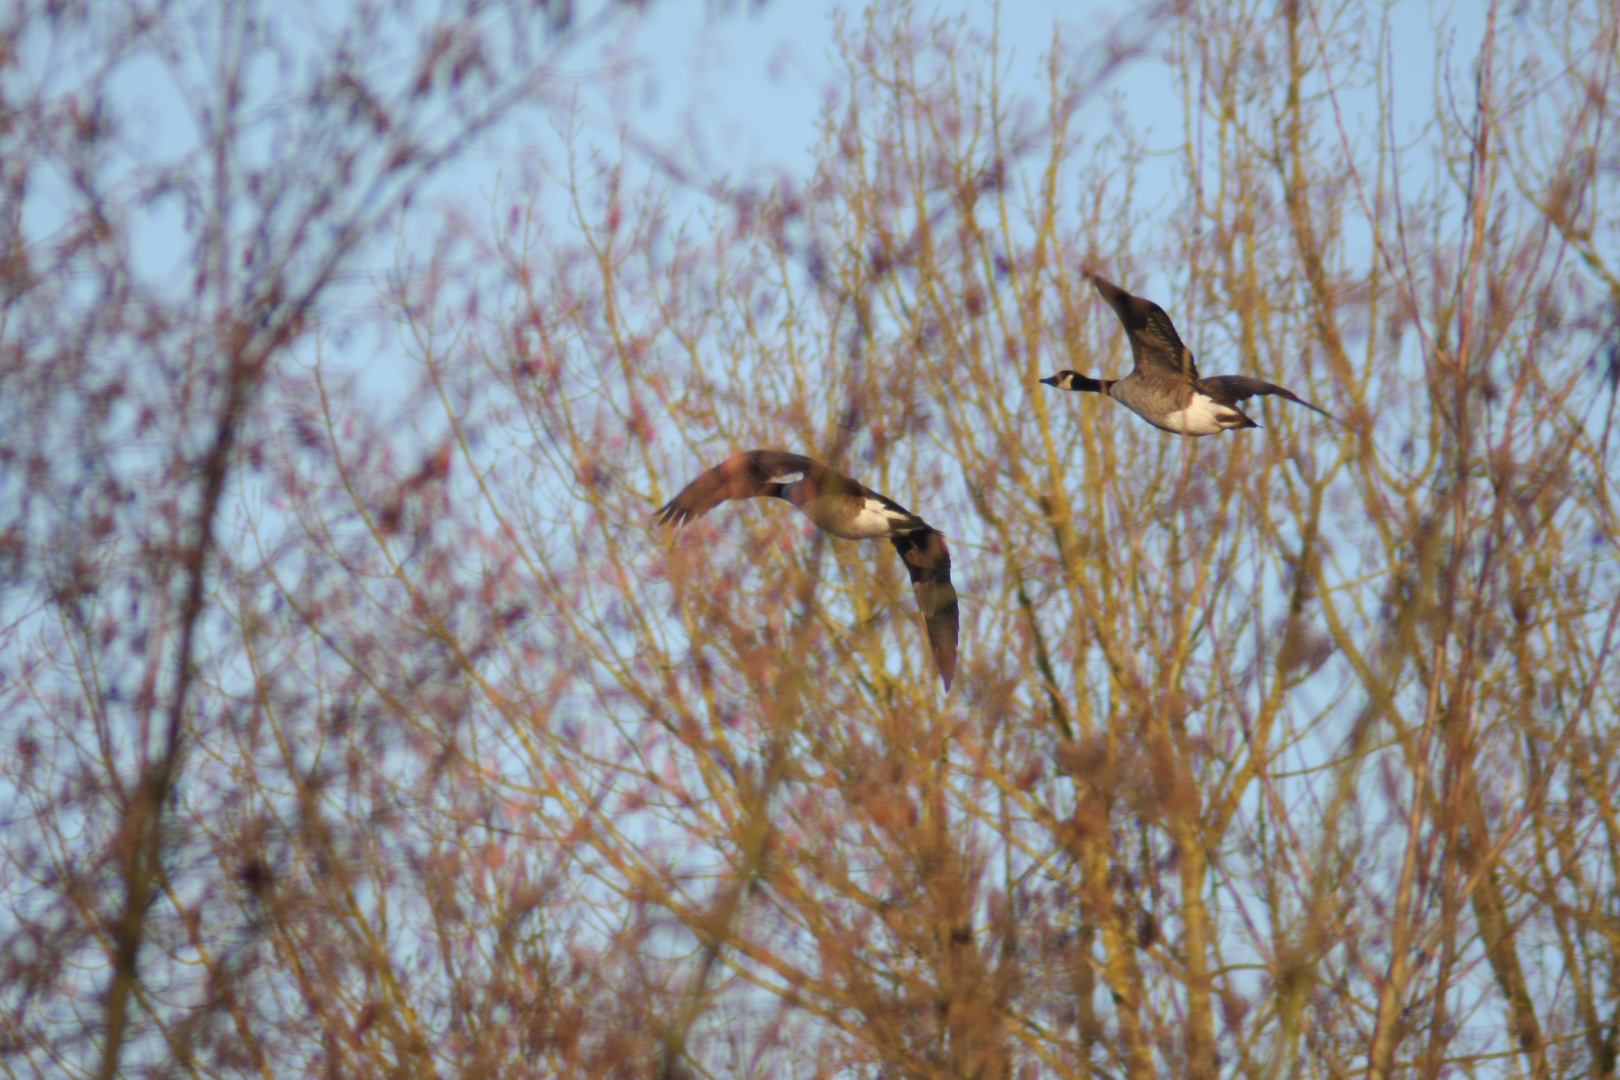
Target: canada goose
(846, 509)
(1164, 387)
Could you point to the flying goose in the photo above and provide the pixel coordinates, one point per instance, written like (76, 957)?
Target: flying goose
(1164, 387)
(846, 509)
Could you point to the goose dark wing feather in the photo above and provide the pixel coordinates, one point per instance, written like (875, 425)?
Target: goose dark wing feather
(1231, 388)
(742, 476)
(1155, 345)
(921, 547)
(928, 561)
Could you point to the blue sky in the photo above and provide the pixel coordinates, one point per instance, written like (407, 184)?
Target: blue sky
(736, 89)
(750, 83)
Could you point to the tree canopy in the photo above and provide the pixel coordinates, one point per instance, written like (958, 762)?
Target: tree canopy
(363, 721)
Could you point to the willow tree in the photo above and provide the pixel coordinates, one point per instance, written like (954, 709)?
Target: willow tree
(1285, 752)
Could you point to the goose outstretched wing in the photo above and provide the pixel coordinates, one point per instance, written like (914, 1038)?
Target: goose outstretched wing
(928, 561)
(1155, 345)
(1242, 387)
(744, 476)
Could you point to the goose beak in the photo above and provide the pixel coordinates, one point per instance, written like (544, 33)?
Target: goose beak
(1050, 380)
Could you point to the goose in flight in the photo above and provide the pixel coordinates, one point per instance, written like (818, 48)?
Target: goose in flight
(1164, 388)
(846, 509)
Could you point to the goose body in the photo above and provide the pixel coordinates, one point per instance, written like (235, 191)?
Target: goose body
(1164, 387)
(845, 508)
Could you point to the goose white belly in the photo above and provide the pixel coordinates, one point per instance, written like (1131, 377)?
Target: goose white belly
(1201, 416)
(871, 520)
